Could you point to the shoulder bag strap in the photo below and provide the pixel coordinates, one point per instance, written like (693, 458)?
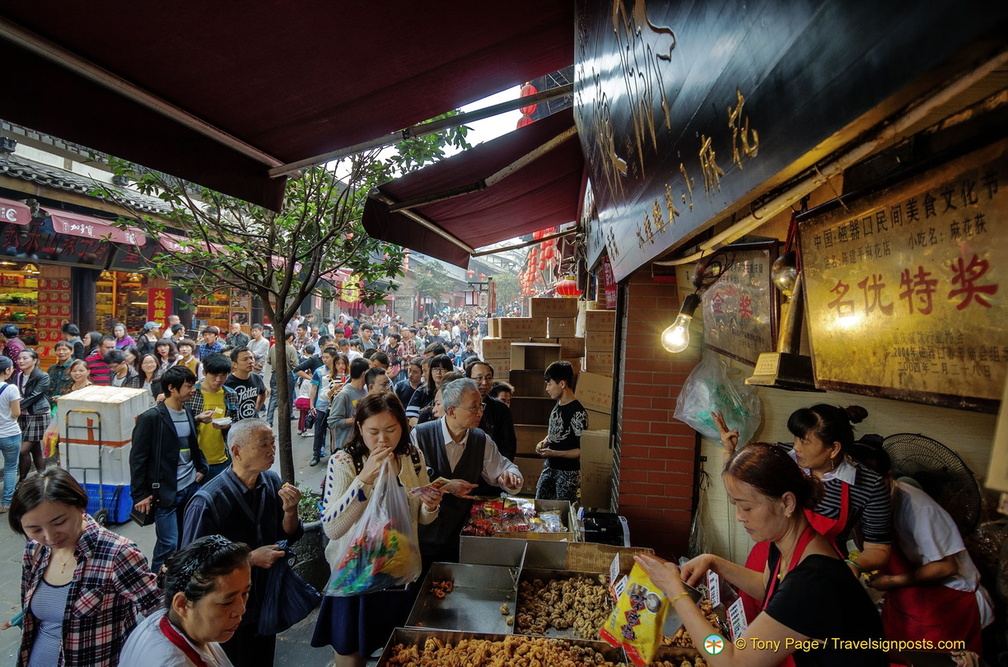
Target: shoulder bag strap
(156, 485)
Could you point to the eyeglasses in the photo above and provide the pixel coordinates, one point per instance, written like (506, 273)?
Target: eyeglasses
(478, 408)
(482, 378)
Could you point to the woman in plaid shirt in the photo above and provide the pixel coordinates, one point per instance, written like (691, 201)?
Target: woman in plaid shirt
(81, 586)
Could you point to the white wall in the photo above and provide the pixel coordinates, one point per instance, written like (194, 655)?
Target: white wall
(968, 434)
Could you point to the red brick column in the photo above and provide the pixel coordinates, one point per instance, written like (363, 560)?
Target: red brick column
(655, 453)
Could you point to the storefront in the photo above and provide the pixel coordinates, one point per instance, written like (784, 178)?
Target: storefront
(683, 164)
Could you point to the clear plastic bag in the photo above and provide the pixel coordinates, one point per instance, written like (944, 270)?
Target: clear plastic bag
(710, 389)
(383, 550)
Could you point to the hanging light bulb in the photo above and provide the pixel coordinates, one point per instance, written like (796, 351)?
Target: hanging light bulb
(676, 337)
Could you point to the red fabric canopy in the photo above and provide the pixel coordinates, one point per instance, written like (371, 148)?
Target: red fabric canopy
(293, 80)
(14, 212)
(89, 227)
(542, 194)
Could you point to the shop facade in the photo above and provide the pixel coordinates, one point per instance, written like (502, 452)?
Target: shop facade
(683, 164)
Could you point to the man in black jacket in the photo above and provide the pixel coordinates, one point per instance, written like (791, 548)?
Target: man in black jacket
(166, 464)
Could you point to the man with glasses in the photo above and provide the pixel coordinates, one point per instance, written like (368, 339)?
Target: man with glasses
(457, 449)
(496, 421)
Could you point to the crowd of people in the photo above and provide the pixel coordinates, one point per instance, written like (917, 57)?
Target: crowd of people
(201, 460)
(376, 394)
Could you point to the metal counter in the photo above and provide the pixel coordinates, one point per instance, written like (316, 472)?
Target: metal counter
(474, 605)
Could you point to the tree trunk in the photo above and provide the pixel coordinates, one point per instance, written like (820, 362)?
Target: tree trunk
(283, 411)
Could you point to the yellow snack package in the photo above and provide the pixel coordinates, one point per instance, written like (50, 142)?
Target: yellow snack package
(637, 620)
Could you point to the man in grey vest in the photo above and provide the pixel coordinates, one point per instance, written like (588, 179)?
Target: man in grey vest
(455, 448)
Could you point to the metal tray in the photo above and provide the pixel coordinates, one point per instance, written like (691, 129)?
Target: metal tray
(495, 551)
(474, 605)
(417, 637)
(530, 574)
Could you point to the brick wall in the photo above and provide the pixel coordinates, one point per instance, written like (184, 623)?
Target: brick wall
(656, 453)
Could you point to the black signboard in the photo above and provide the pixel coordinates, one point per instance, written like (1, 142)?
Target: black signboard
(685, 109)
(37, 241)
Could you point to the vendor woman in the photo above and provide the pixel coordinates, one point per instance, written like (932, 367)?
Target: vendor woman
(854, 495)
(807, 594)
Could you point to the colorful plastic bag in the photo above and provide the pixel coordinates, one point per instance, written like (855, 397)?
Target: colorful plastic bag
(711, 387)
(384, 550)
(637, 619)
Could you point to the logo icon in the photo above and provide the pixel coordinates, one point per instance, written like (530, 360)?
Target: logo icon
(713, 643)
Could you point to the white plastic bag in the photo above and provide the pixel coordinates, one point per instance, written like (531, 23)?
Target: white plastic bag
(710, 389)
(384, 550)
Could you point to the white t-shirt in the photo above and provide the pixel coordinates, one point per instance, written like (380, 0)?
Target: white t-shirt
(8, 425)
(927, 533)
(147, 645)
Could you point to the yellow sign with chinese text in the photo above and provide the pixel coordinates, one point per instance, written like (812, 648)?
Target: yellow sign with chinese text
(906, 287)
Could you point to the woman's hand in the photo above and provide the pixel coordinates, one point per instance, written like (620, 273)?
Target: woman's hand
(369, 473)
(431, 498)
(664, 574)
(694, 571)
(729, 439)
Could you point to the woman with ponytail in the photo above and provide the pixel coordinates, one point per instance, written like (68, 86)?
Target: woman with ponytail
(855, 496)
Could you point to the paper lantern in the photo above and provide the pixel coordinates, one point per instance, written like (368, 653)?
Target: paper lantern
(524, 120)
(568, 288)
(527, 91)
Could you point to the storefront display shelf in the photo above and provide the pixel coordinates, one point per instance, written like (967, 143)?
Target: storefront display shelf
(475, 602)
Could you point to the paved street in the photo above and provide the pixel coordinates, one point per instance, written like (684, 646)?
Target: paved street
(293, 648)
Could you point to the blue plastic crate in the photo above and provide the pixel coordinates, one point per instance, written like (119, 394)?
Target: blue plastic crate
(116, 498)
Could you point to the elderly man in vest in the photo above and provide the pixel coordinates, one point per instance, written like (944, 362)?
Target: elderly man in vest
(455, 448)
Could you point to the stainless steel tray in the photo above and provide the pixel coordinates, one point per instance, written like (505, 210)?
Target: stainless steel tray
(530, 574)
(474, 605)
(417, 637)
(508, 552)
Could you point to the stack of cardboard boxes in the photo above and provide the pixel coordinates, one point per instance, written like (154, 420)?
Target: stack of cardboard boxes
(600, 337)
(530, 406)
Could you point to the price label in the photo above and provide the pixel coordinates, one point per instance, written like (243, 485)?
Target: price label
(614, 576)
(620, 587)
(713, 588)
(737, 623)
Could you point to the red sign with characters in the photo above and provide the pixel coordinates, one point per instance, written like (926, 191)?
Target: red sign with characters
(159, 303)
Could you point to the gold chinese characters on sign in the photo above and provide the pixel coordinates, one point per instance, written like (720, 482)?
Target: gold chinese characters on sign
(907, 289)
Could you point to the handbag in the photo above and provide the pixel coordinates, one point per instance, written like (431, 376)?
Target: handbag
(286, 597)
(147, 518)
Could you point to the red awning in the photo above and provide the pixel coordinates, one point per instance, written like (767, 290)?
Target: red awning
(14, 212)
(519, 183)
(218, 93)
(86, 226)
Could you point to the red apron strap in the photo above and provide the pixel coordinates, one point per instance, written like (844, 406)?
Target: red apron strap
(169, 631)
(831, 528)
(806, 537)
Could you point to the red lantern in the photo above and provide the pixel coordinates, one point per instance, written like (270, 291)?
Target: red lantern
(568, 288)
(542, 265)
(548, 253)
(525, 120)
(538, 235)
(527, 91)
(470, 273)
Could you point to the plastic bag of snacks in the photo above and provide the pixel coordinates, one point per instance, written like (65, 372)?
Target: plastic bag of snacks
(637, 619)
(383, 550)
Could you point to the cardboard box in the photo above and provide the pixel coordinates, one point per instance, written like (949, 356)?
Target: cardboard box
(596, 470)
(496, 348)
(527, 382)
(554, 308)
(531, 468)
(600, 341)
(101, 415)
(501, 366)
(600, 320)
(560, 326)
(520, 327)
(594, 391)
(599, 421)
(492, 329)
(600, 362)
(531, 410)
(571, 346)
(529, 436)
(534, 356)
